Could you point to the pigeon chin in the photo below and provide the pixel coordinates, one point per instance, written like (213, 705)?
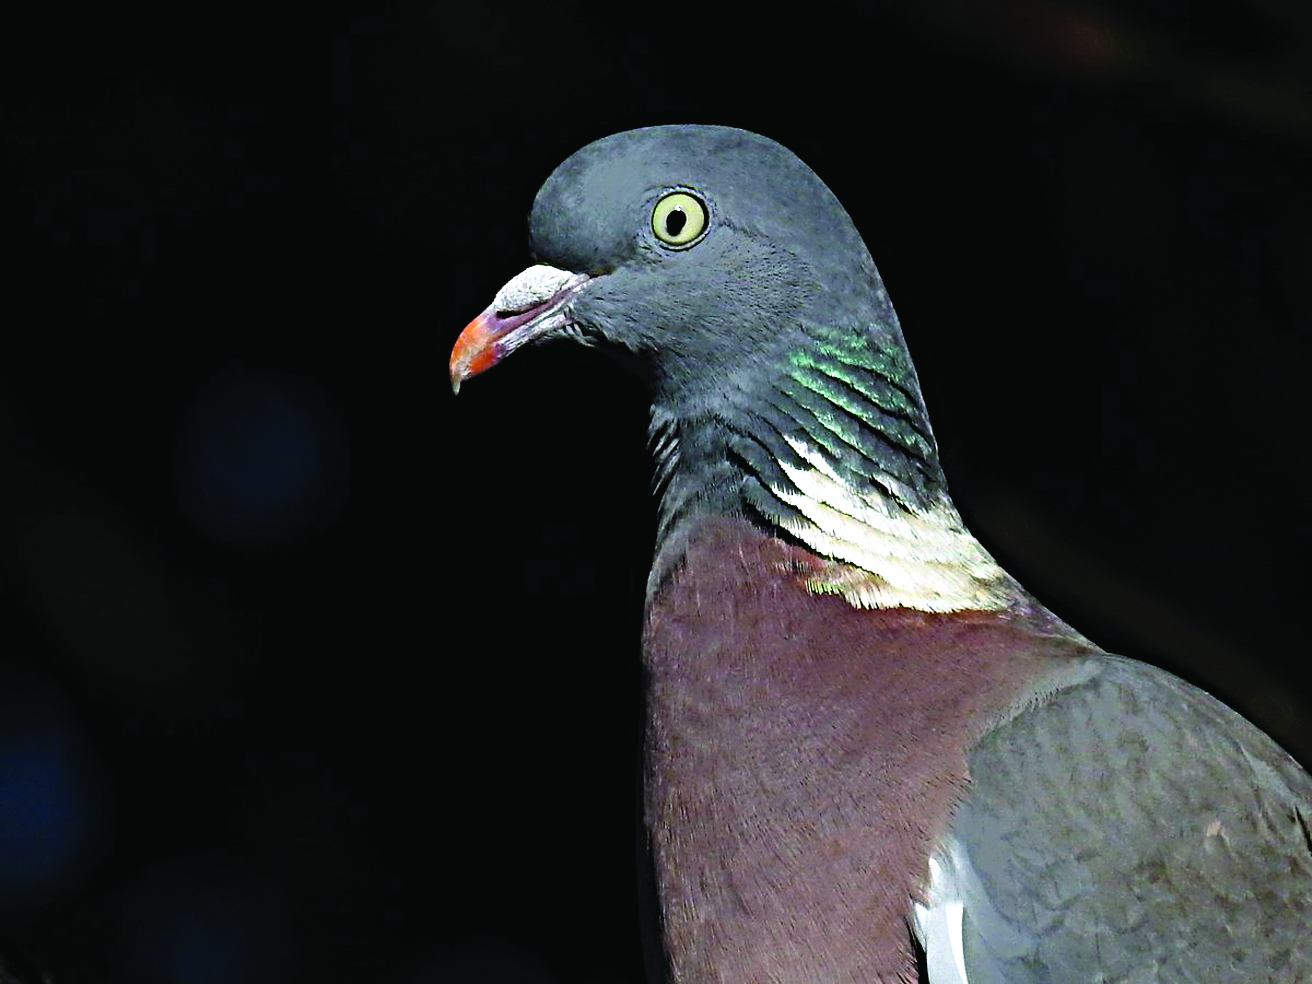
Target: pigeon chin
(530, 306)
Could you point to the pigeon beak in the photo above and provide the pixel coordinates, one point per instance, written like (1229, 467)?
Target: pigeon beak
(526, 308)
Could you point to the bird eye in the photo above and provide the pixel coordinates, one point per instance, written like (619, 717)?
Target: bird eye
(679, 219)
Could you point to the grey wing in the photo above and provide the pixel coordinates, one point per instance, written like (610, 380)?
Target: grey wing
(1129, 828)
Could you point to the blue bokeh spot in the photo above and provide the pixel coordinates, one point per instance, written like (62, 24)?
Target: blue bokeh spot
(44, 803)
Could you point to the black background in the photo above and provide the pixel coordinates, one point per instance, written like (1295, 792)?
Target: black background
(312, 672)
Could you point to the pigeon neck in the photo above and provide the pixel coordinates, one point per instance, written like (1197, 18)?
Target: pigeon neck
(829, 447)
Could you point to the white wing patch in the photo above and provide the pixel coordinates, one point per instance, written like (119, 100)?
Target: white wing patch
(938, 927)
(958, 918)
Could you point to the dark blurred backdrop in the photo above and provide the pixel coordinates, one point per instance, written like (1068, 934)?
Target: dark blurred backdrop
(311, 672)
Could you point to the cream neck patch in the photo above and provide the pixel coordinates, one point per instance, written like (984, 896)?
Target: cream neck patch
(900, 557)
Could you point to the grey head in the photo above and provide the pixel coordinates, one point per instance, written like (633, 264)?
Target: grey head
(777, 250)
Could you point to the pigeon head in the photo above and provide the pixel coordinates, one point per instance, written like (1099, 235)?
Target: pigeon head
(687, 251)
(721, 268)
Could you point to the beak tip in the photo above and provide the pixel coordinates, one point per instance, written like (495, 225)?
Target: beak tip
(475, 350)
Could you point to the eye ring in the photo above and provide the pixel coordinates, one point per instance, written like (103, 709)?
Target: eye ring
(679, 219)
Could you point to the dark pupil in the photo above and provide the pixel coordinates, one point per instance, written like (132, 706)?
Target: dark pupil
(675, 221)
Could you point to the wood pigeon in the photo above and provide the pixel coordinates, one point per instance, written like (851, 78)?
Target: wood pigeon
(870, 754)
